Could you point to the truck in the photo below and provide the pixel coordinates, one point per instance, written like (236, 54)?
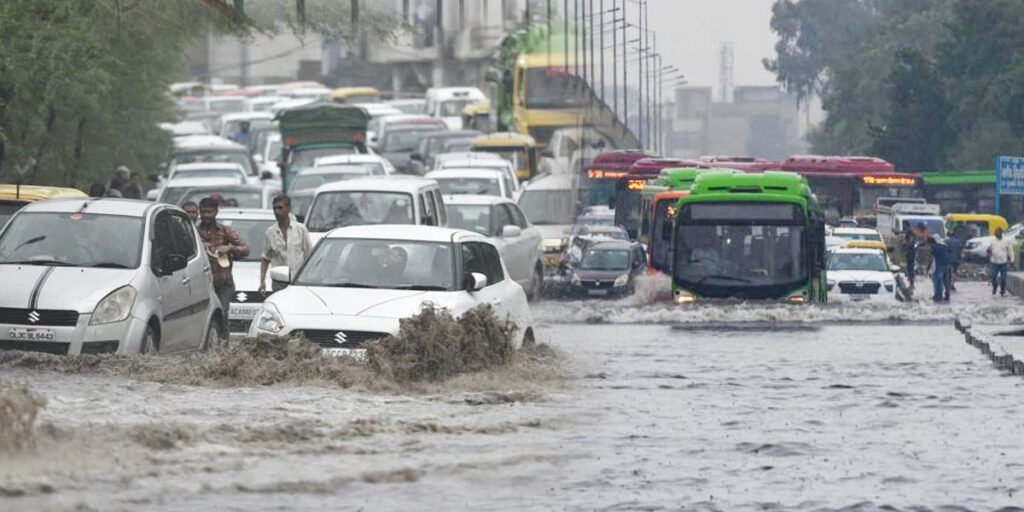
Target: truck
(316, 130)
(891, 218)
(535, 89)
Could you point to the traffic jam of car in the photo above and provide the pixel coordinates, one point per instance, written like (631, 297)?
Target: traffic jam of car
(301, 214)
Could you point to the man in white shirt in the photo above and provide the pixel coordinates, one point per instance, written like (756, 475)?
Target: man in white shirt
(286, 242)
(1000, 255)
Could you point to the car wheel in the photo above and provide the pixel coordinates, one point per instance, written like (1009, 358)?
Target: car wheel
(149, 341)
(536, 285)
(212, 339)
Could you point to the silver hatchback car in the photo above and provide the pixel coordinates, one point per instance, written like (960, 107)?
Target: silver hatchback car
(90, 276)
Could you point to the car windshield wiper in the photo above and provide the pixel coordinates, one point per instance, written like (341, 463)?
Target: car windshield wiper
(348, 285)
(109, 264)
(724, 277)
(422, 287)
(43, 263)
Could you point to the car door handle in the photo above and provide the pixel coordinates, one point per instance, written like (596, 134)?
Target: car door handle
(186, 280)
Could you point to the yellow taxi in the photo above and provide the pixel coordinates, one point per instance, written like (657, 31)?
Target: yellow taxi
(978, 224)
(13, 197)
(519, 149)
(355, 95)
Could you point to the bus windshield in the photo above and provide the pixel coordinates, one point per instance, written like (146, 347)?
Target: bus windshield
(740, 250)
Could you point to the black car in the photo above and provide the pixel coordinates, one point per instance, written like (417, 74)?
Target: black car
(607, 268)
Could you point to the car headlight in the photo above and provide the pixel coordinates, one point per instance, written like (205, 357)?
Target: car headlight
(269, 319)
(685, 298)
(831, 284)
(889, 285)
(576, 279)
(622, 280)
(115, 307)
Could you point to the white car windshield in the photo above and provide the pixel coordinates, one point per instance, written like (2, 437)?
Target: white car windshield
(860, 261)
(313, 180)
(390, 264)
(252, 232)
(73, 240)
(475, 186)
(475, 218)
(549, 207)
(234, 157)
(337, 209)
(179, 174)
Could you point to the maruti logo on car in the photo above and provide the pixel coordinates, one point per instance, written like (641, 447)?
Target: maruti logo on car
(241, 297)
(340, 338)
(33, 317)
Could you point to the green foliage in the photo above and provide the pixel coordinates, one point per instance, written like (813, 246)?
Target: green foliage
(83, 83)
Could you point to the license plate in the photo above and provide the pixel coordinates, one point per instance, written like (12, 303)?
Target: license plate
(243, 311)
(354, 353)
(30, 334)
(597, 293)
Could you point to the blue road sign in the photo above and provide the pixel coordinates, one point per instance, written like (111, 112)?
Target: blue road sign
(1009, 177)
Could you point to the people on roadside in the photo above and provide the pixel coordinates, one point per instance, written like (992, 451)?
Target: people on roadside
(941, 262)
(223, 245)
(192, 209)
(97, 190)
(134, 188)
(909, 247)
(955, 244)
(120, 178)
(1000, 256)
(286, 243)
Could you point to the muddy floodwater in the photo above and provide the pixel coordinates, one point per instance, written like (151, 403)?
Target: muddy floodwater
(809, 416)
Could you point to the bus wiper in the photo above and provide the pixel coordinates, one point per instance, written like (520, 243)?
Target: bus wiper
(724, 277)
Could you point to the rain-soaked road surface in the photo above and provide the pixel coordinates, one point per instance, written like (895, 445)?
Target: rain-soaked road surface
(813, 416)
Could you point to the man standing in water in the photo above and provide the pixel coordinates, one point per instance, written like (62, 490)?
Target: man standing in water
(222, 246)
(909, 246)
(286, 243)
(942, 262)
(1000, 255)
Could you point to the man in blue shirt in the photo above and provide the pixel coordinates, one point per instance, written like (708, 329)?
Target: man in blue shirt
(942, 262)
(244, 136)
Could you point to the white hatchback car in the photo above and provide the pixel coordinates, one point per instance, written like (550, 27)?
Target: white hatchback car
(861, 275)
(483, 182)
(360, 281)
(105, 276)
(501, 220)
(251, 225)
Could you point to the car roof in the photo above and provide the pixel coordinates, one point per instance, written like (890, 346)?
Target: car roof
(465, 173)
(95, 205)
(478, 163)
(858, 250)
(204, 142)
(405, 232)
(209, 165)
(247, 116)
(550, 182)
(245, 213)
(400, 183)
(475, 200)
(854, 231)
(469, 155)
(604, 228)
(610, 244)
(452, 134)
(208, 181)
(349, 159)
(9, 192)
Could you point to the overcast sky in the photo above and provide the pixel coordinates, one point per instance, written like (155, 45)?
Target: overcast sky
(690, 32)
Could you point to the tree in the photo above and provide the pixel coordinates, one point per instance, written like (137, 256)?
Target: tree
(914, 133)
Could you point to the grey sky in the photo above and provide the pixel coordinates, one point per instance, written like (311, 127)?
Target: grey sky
(690, 31)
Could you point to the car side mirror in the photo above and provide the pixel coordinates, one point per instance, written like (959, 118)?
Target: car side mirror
(173, 263)
(280, 275)
(258, 158)
(896, 269)
(511, 231)
(475, 282)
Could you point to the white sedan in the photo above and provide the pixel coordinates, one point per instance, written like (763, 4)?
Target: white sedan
(501, 220)
(360, 281)
(861, 275)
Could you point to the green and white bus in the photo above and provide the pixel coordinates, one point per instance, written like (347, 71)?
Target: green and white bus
(758, 236)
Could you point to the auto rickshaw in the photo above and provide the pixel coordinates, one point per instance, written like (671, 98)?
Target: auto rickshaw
(978, 224)
(519, 149)
(355, 95)
(478, 117)
(13, 197)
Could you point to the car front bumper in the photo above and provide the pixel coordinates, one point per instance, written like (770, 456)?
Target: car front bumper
(122, 337)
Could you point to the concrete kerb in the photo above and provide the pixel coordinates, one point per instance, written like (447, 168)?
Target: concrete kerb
(1002, 358)
(1015, 283)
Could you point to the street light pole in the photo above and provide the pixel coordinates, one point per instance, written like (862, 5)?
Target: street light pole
(600, 43)
(615, 64)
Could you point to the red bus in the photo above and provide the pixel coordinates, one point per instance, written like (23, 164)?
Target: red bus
(628, 189)
(596, 183)
(850, 185)
(741, 163)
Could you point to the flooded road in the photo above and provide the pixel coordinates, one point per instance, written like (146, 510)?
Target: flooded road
(808, 416)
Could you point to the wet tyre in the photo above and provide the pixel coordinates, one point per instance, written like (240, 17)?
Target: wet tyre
(150, 342)
(536, 290)
(212, 339)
